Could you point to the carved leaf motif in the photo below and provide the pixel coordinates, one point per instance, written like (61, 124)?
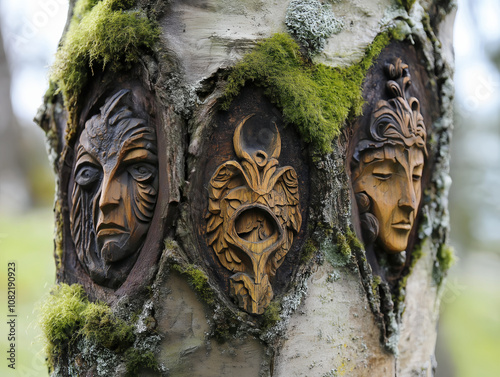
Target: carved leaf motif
(227, 177)
(253, 215)
(249, 298)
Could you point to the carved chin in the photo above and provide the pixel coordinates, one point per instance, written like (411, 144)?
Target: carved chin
(395, 242)
(116, 248)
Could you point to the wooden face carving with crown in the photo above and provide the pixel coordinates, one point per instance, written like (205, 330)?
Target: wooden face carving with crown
(114, 191)
(387, 166)
(253, 214)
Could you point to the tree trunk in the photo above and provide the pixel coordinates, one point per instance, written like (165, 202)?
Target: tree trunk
(249, 187)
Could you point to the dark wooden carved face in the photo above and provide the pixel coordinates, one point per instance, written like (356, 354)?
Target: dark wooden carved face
(388, 164)
(115, 190)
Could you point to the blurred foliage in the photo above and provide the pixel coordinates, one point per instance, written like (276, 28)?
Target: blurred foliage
(27, 240)
(470, 324)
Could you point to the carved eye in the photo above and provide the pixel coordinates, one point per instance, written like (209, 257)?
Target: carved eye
(142, 172)
(382, 176)
(417, 173)
(87, 175)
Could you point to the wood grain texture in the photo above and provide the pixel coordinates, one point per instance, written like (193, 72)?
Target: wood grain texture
(251, 192)
(254, 213)
(415, 96)
(150, 202)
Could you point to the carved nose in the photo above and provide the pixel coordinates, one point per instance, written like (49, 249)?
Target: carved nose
(111, 194)
(408, 200)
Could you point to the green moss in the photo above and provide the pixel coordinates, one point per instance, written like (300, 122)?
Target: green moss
(102, 327)
(58, 236)
(339, 253)
(400, 31)
(101, 34)
(137, 360)
(67, 316)
(308, 251)
(60, 317)
(315, 98)
(407, 4)
(426, 23)
(50, 93)
(399, 296)
(343, 246)
(271, 315)
(122, 4)
(445, 258)
(335, 253)
(354, 242)
(81, 8)
(416, 254)
(375, 283)
(198, 281)
(170, 244)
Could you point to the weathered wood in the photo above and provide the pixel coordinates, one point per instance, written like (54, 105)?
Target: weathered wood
(271, 185)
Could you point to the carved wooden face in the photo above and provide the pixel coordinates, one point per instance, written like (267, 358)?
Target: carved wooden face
(114, 193)
(391, 177)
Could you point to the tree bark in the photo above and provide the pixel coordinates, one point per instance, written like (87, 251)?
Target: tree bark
(254, 257)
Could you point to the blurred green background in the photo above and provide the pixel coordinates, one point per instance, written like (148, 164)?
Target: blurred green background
(469, 331)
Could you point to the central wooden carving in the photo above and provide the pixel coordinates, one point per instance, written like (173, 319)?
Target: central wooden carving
(253, 214)
(114, 192)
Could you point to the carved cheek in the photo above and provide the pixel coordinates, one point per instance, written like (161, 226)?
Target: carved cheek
(143, 198)
(383, 205)
(83, 217)
(83, 221)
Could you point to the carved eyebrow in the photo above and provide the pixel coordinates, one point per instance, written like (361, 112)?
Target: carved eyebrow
(418, 169)
(80, 151)
(139, 154)
(84, 156)
(384, 163)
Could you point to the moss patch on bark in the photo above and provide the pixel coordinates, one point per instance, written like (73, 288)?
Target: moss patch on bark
(67, 317)
(445, 258)
(198, 281)
(317, 99)
(407, 4)
(101, 34)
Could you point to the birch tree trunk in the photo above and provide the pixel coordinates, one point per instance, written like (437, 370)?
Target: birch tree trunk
(222, 196)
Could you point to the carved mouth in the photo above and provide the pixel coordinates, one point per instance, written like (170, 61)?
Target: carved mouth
(402, 225)
(110, 229)
(255, 225)
(256, 230)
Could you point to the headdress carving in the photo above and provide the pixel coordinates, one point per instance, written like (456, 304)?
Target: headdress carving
(398, 120)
